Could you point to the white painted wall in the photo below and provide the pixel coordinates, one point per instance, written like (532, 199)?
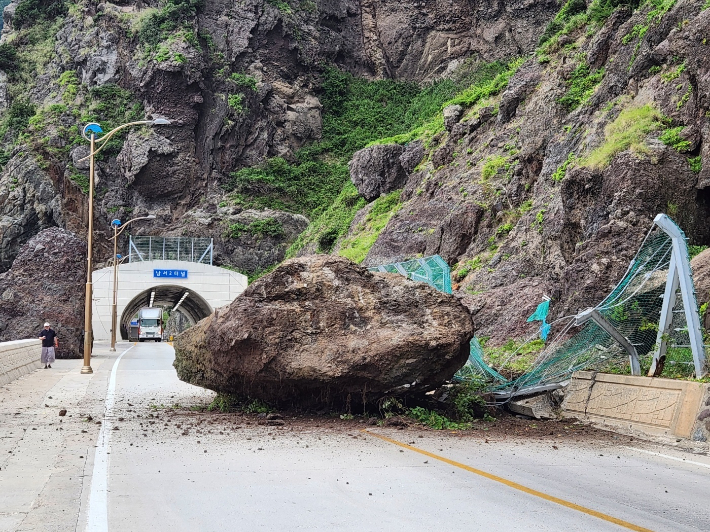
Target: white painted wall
(19, 357)
(218, 286)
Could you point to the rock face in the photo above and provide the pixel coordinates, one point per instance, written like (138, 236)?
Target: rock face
(28, 203)
(320, 329)
(46, 283)
(701, 279)
(510, 199)
(378, 170)
(188, 73)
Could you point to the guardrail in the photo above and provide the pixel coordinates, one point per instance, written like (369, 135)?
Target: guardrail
(18, 358)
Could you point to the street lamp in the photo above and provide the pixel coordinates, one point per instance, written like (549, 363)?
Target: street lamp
(90, 132)
(116, 233)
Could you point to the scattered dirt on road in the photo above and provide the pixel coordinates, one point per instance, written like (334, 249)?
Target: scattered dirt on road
(504, 427)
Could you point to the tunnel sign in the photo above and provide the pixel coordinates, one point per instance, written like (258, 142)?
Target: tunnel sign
(180, 274)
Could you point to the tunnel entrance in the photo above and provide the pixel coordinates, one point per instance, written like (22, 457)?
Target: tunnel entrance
(172, 298)
(194, 290)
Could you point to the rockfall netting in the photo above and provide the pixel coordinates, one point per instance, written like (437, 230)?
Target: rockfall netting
(431, 270)
(633, 308)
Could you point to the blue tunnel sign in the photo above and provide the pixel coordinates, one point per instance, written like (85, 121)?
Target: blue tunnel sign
(179, 274)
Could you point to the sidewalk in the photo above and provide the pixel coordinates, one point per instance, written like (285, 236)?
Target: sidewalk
(44, 457)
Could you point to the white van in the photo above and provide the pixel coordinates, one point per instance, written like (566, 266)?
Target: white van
(150, 324)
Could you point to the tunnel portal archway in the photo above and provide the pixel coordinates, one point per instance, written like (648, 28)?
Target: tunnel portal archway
(191, 304)
(167, 281)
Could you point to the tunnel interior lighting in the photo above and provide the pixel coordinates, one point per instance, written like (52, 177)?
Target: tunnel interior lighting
(181, 300)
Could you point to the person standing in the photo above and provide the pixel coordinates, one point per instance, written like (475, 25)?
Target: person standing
(49, 344)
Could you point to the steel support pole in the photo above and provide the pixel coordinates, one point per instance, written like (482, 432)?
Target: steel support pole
(664, 324)
(687, 290)
(599, 319)
(88, 331)
(115, 288)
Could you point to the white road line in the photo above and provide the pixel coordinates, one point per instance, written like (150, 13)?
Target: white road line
(669, 457)
(97, 511)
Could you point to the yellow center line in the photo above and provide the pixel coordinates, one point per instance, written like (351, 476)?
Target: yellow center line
(515, 485)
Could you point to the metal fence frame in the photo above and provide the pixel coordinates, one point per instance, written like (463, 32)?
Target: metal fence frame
(186, 249)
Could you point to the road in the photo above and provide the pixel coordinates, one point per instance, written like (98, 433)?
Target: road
(155, 463)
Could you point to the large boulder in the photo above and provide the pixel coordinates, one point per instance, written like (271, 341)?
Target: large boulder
(377, 170)
(46, 283)
(321, 329)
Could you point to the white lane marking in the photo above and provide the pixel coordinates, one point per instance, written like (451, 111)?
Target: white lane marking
(670, 457)
(97, 511)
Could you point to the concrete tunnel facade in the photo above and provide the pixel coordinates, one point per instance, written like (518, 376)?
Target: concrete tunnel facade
(167, 282)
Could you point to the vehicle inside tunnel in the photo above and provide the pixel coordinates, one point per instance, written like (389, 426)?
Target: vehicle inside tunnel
(173, 299)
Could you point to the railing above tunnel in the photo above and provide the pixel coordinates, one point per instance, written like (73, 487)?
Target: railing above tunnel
(185, 249)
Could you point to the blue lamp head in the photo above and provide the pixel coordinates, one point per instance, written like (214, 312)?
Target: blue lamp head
(91, 128)
(116, 222)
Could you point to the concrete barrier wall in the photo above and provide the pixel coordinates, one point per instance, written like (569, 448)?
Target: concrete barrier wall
(662, 407)
(19, 357)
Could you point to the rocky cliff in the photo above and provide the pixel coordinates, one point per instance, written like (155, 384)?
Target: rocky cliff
(240, 78)
(46, 283)
(528, 143)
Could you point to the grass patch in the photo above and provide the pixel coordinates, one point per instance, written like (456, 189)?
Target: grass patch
(492, 165)
(242, 80)
(236, 102)
(674, 74)
(469, 266)
(270, 227)
(356, 247)
(305, 187)
(559, 174)
(30, 12)
(328, 227)
(225, 402)
(671, 137)
(580, 86)
(627, 132)
(696, 164)
(170, 16)
(514, 358)
(695, 250)
(564, 15)
(435, 420)
(485, 81)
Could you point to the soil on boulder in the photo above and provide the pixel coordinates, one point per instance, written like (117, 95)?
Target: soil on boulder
(46, 283)
(320, 329)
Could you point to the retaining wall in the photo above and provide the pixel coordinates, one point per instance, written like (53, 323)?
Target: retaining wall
(19, 357)
(654, 406)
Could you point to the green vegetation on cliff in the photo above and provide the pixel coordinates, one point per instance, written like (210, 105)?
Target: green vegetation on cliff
(359, 113)
(30, 12)
(356, 113)
(171, 15)
(627, 132)
(357, 245)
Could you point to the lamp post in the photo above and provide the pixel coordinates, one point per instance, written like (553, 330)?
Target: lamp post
(90, 132)
(116, 233)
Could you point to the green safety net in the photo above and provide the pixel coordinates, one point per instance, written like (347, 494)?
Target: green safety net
(633, 307)
(431, 270)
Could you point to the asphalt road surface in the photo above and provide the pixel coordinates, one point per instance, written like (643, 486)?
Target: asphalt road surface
(134, 452)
